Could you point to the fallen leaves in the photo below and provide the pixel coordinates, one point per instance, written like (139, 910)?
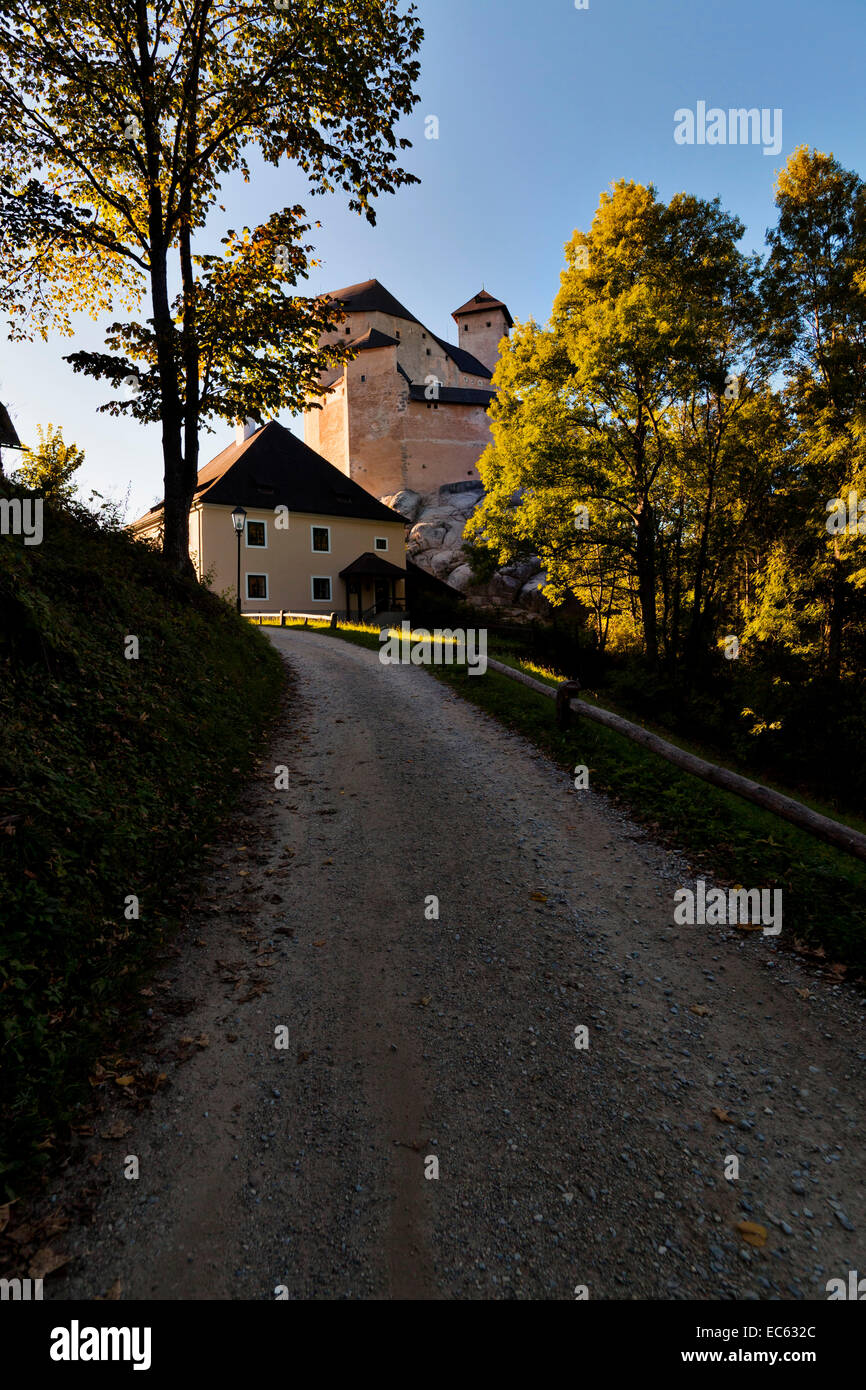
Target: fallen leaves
(538, 897)
(45, 1262)
(752, 1233)
(721, 1115)
(700, 1009)
(118, 1130)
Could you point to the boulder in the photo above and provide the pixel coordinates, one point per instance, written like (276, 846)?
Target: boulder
(426, 535)
(531, 595)
(453, 536)
(407, 503)
(461, 578)
(503, 586)
(523, 570)
(443, 561)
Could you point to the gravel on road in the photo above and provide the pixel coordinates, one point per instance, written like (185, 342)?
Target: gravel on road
(416, 1036)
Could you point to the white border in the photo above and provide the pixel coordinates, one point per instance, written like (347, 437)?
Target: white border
(319, 527)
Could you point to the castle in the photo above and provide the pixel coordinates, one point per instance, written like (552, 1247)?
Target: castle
(409, 411)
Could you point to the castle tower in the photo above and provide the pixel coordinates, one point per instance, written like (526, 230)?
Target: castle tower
(481, 325)
(409, 410)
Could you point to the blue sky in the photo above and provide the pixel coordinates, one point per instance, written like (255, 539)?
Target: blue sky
(541, 107)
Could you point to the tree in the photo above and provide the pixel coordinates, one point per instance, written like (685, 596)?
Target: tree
(815, 292)
(48, 469)
(121, 119)
(624, 405)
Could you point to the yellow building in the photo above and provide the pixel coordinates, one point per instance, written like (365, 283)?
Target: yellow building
(311, 540)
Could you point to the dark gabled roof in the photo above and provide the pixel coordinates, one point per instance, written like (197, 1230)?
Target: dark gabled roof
(421, 583)
(482, 303)
(8, 433)
(372, 339)
(371, 297)
(370, 564)
(453, 395)
(274, 468)
(464, 361)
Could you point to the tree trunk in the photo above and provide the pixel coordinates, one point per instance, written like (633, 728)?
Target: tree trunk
(837, 618)
(646, 579)
(178, 492)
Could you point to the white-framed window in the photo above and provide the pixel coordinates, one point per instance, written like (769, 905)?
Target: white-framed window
(320, 585)
(381, 543)
(320, 540)
(257, 535)
(257, 586)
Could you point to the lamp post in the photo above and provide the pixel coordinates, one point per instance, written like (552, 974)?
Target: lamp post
(239, 518)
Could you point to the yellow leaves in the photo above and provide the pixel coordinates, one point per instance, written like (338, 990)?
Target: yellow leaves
(700, 1009)
(721, 1115)
(537, 898)
(128, 1080)
(423, 1001)
(752, 1233)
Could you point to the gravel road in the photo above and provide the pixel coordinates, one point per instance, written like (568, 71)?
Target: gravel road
(409, 1038)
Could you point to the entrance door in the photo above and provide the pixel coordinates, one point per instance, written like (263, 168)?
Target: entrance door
(383, 595)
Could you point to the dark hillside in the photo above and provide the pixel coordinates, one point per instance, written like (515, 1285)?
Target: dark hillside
(113, 772)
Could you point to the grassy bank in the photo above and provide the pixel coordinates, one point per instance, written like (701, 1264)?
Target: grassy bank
(113, 772)
(723, 836)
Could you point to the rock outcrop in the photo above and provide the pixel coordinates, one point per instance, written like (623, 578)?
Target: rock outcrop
(435, 543)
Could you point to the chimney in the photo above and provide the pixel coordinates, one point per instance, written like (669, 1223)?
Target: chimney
(243, 430)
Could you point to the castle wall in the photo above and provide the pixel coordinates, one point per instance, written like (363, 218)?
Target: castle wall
(374, 432)
(442, 444)
(327, 430)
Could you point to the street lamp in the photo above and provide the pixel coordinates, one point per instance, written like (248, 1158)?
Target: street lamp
(239, 518)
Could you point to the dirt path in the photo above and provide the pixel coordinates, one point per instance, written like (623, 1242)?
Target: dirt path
(411, 1038)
